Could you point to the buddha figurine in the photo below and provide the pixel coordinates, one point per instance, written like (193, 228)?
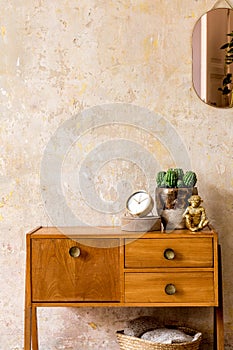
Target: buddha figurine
(195, 216)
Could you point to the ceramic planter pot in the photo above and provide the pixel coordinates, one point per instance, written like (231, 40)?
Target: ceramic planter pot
(171, 204)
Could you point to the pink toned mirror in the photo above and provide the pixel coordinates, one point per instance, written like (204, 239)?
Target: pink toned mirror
(212, 44)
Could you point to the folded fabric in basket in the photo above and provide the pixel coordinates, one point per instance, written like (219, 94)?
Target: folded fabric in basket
(140, 325)
(167, 336)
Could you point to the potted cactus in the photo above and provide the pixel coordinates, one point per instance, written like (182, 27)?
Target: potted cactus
(174, 188)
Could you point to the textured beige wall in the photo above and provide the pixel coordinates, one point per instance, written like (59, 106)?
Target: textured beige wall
(59, 58)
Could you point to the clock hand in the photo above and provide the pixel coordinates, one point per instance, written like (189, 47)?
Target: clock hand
(143, 199)
(139, 201)
(136, 200)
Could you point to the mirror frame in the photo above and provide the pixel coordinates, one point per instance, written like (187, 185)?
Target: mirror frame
(211, 75)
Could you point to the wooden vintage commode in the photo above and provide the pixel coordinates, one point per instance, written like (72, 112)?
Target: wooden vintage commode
(97, 267)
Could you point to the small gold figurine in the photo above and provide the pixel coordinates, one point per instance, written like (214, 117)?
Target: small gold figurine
(195, 216)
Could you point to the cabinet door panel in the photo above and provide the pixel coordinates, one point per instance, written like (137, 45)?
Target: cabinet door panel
(91, 274)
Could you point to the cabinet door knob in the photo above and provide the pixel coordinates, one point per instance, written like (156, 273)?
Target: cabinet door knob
(75, 252)
(170, 289)
(169, 254)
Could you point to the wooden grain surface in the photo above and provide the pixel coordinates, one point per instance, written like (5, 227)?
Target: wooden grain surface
(116, 268)
(105, 231)
(191, 287)
(57, 276)
(189, 252)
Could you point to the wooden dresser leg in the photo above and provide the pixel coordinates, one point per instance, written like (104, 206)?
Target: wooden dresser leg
(34, 329)
(27, 328)
(218, 311)
(28, 301)
(218, 329)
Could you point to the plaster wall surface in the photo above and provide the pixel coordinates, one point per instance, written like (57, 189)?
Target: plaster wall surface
(133, 59)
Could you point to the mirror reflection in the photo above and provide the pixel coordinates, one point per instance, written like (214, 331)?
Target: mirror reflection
(212, 44)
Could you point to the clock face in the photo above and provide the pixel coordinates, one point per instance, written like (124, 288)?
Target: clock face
(140, 203)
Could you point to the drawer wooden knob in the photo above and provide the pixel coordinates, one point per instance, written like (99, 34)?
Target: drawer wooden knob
(169, 254)
(170, 289)
(74, 252)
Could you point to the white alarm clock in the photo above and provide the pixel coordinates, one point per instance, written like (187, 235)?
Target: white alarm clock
(140, 204)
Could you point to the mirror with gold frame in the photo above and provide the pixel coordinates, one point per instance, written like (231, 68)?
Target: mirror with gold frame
(212, 44)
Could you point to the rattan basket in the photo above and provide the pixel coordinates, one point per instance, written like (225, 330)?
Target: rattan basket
(127, 342)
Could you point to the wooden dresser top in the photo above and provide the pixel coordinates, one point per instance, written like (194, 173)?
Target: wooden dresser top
(109, 231)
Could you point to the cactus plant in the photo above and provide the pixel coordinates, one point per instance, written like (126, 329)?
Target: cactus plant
(159, 178)
(174, 188)
(190, 179)
(175, 178)
(170, 178)
(180, 173)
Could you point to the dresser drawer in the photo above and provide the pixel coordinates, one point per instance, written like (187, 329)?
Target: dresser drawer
(179, 287)
(169, 252)
(69, 270)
